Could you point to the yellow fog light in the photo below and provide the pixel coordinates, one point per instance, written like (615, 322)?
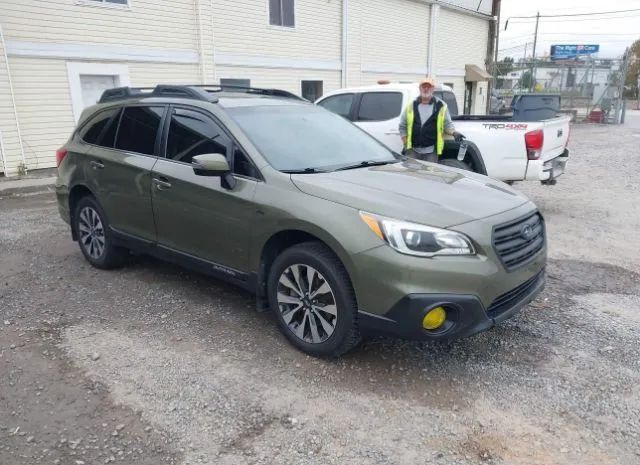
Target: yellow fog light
(434, 318)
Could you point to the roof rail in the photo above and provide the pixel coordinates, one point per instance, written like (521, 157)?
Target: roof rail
(248, 90)
(161, 90)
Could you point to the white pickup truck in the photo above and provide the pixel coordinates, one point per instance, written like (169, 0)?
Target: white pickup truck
(502, 147)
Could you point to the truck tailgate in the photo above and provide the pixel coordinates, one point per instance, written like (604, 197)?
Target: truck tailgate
(556, 135)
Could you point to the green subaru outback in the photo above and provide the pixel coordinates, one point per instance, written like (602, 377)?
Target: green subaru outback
(338, 236)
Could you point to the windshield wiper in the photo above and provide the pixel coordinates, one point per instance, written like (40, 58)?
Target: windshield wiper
(367, 163)
(304, 171)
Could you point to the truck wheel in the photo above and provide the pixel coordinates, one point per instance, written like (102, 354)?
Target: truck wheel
(94, 235)
(455, 163)
(311, 295)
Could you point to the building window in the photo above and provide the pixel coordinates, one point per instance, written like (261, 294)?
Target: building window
(311, 90)
(282, 13)
(230, 83)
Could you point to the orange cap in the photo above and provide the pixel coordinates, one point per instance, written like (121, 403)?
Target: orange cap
(428, 80)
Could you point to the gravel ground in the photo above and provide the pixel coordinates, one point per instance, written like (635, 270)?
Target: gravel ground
(152, 364)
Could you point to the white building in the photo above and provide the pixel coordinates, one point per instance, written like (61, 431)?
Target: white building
(57, 56)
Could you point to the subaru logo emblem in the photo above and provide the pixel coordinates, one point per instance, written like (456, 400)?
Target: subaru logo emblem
(526, 232)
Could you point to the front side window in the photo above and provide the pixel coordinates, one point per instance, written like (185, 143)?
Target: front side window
(311, 90)
(379, 106)
(282, 13)
(93, 131)
(298, 137)
(138, 129)
(339, 104)
(450, 99)
(191, 134)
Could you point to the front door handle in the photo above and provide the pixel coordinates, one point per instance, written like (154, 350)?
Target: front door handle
(96, 165)
(162, 183)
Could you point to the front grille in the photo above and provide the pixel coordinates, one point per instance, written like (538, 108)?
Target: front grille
(514, 296)
(518, 242)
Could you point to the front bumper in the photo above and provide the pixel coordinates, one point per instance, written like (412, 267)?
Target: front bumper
(395, 291)
(466, 314)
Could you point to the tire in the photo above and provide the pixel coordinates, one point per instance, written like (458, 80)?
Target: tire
(324, 324)
(455, 163)
(94, 235)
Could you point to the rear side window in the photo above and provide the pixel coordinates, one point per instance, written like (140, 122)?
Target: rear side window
(139, 129)
(380, 106)
(191, 134)
(93, 131)
(450, 99)
(339, 104)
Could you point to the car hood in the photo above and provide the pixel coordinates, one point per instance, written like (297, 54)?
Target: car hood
(424, 193)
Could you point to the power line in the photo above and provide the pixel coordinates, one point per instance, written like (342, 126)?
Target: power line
(529, 21)
(577, 14)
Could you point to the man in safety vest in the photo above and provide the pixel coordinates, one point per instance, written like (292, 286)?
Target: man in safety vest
(423, 124)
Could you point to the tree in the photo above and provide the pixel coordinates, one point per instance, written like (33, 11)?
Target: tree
(525, 80)
(503, 67)
(633, 72)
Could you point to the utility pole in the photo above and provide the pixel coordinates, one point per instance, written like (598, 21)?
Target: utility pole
(623, 77)
(533, 65)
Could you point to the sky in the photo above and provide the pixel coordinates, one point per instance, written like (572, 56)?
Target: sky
(613, 32)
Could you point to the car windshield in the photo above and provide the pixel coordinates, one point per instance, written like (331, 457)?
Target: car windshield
(308, 138)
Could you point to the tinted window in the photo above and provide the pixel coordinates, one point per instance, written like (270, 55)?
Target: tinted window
(242, 166)
(138, 129)
(295, 137)
(191, 134)
(93, 130)
(339, 104)
(450, 99)
(109, 134)
(380, 106)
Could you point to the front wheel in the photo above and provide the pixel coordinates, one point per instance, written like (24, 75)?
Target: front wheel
(311, 295)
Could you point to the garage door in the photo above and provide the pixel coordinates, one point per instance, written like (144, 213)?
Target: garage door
(93, 85)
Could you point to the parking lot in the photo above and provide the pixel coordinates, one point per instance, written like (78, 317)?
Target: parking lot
(152, 364)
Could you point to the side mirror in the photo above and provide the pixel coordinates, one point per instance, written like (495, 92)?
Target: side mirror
(210, 164)
(214, 164)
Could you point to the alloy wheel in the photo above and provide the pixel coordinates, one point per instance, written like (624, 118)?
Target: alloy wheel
(91, 232)
(307, 304)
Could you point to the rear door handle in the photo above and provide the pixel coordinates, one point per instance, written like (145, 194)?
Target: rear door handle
(162, 183)
(96, 165)
(392, 132)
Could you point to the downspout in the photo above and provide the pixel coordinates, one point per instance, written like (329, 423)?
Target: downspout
(4, 158)
(345, 43)
(13, 102)
(203, 72)
(213, 45)
(433, 26)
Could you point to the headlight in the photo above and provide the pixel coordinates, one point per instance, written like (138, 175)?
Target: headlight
(417, 239)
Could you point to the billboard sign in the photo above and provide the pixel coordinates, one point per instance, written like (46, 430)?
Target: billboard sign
(572, 52)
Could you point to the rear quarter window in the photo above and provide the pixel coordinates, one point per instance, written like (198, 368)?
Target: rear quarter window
(379, 106)
(98, 126)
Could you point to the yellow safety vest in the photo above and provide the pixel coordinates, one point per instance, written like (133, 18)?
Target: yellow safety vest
(439, 127)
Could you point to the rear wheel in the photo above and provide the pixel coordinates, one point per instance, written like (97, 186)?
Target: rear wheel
(313, 300)
(455, 163)
(94, 236)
